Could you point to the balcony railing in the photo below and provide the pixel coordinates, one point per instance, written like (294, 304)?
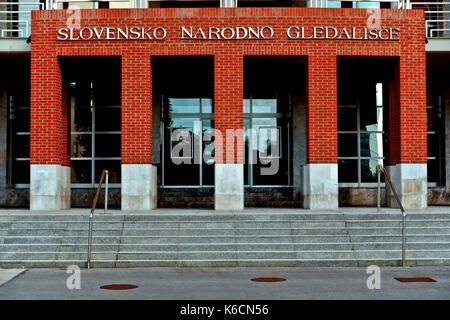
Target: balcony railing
(437, 18)
(15, 16)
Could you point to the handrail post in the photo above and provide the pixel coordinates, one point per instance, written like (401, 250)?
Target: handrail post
(379, 167)
(106, 190)
(91, 217)
(403, 218)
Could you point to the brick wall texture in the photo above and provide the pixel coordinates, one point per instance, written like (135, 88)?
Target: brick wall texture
(407, 120)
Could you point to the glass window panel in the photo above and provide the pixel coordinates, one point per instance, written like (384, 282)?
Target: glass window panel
(207, 105)
(22, 119)
(247, 152)
(259, 123)
(184, 105)
(371, 118)
(21, 147)
(113, 167)
(80, 119)
(81, 94)
(366, 4)
(347, 120)
(369, 170)
(21, 171)
(347, 171)
(372, 145)
(347, 145)
(264, 105)
(182, 122)
(208, 149)
(431, 123)
(107, 119)
(81, 171)
(107, 92)
(107, 145)
(433, 170)
(246, 105)
(334, 4)
(432, 145)
(81, 145)
(269, 142)
(181, 142)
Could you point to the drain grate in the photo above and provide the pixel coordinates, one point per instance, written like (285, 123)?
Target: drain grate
(124, 286)
(268, 279)
(422, 279)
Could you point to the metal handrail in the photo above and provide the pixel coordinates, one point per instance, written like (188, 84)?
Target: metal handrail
(403, 217)
(91, 214)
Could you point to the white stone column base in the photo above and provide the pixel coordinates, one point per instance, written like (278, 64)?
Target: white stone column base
(410, 182)
(49, 187)
(139, 187)
(229, 186)
(319, 185)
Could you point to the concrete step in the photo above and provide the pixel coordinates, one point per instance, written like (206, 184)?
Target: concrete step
(230, 254)
(222, 263)
(82, 247)
(222, 239)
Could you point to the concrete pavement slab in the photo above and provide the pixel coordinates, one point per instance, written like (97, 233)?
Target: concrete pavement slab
(230, 284)
(9, 274)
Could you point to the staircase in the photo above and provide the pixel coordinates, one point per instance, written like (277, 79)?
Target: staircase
(208, 239)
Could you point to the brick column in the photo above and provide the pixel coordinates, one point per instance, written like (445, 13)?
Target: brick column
(50, 161)
(139, 186)
(408, 131)
(319, 181)
(229, 123)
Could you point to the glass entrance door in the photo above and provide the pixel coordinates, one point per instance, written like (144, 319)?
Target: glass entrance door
(267, 140)
(187, 142)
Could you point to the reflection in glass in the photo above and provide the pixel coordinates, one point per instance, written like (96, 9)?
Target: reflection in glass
(184, 105)
(264, 105)
(369, 170)
(246, 105)
(80, 119)
(371, 144)
(207, 106)
(113, 167)
(81, 171)
(81, 145)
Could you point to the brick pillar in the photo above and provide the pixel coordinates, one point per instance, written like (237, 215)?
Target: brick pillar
(50, 161)
(319, 181)
(229, 123)
(408, 131)
(139, 186)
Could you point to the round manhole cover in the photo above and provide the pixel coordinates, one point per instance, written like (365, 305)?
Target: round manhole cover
(268, 279)
(124, 286)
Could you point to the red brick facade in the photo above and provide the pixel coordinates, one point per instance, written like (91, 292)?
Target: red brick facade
(408, 112)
